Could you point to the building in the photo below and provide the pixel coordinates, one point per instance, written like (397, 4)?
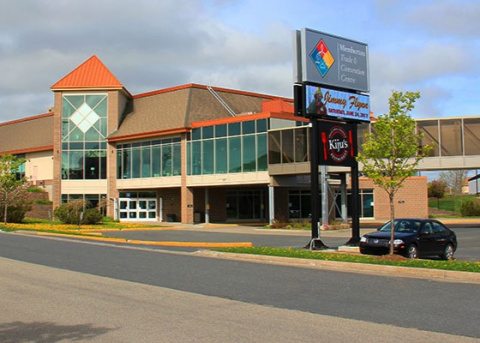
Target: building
(190, 153)
(474, 184)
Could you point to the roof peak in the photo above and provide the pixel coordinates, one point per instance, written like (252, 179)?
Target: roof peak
(92, 74)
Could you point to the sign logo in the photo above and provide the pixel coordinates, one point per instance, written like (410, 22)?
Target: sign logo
(337, 143)
(322, 58)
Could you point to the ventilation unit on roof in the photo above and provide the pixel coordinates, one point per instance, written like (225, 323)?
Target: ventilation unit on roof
(221, 101)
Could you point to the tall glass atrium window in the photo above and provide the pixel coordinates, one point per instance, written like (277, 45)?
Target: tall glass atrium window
(84, 131)
(228, 148)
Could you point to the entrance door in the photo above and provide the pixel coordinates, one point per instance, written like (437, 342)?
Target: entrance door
(138, 209)
(245, 205)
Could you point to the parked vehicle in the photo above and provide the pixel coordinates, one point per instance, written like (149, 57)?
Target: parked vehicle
(413, 238)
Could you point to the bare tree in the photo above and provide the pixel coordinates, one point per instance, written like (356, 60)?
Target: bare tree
(454, 180)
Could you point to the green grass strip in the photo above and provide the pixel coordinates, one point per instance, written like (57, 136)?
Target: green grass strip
(463, 266)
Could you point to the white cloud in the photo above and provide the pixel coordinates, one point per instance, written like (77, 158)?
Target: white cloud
(237, 44)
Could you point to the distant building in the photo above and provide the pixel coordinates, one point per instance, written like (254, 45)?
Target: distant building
(474, 184)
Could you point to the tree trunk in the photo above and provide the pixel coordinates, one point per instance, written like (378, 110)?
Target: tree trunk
(392, 224)
(5, 210)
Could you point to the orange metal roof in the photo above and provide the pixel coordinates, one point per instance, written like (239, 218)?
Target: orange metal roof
(90, 74)
(277, 105)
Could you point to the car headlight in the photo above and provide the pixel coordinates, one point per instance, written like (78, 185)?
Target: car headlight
(363, 239)
(397, 242)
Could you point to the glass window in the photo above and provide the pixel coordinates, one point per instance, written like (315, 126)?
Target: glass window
(83, 138)
(248, 127)
(451, 137)
(438, 228)
(65, 168)
(196, 158)
(189, 158)
(136, 159)
(167, 160)
(262, 158)
(367, 208)
(221, 156)
(75, 165)
(287, 146)
(301, 145)
(249, 152)
(146, 162)
(234, 155)
(156, 160)
(67, 109)
(103, 164)
(262, 125)
(207, 132)
(472, 135)
(427, 229)
(119, 164)
(177, 159)
(127, 164)
(234, 129)
(429, 129)
(208, 155)
(92, 165)
(196, 134)
(274, 147)
(221, 130)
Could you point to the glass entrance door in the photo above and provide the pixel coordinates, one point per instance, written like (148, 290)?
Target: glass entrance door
(245, 205)
(138, 209)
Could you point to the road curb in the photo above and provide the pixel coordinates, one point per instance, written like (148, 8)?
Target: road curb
(363, 268)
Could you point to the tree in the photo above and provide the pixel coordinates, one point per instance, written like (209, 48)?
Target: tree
(393, 151)
(437, 189)
(12, 187)
(454, 180)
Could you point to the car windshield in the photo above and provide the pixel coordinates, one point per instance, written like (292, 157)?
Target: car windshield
(402, 225)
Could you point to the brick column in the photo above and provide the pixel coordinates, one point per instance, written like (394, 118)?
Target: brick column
(186, 193)
(57, 151)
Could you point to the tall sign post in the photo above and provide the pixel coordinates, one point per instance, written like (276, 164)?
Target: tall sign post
(331, 82)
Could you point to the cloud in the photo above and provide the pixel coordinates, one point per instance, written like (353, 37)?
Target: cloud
(147, 45)
(447, 17)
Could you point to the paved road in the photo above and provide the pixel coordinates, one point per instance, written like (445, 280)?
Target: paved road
(468, 237)
(440, 307)
(42, 304)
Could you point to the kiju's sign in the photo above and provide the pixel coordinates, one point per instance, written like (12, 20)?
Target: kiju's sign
(337, 145)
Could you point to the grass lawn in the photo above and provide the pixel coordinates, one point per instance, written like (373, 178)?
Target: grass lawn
(450, 203)
(357, 258)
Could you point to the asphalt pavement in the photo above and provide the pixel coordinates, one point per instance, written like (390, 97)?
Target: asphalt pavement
(198, 238)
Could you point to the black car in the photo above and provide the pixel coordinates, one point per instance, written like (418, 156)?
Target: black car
(412, 238)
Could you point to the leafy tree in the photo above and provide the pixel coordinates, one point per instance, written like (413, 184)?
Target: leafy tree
(437, 189)
(12, 187)
(454, 180)
(392, 153)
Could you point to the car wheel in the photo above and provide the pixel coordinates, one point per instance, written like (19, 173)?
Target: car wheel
(412, 251)
(448, 252)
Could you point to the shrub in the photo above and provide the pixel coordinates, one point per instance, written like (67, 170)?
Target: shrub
(470, 207)
(16, 213)
(43, 202)
(92, 216)
(70, 213)
(35, 190)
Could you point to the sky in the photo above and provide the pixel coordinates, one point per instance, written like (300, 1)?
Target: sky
(430, 46)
